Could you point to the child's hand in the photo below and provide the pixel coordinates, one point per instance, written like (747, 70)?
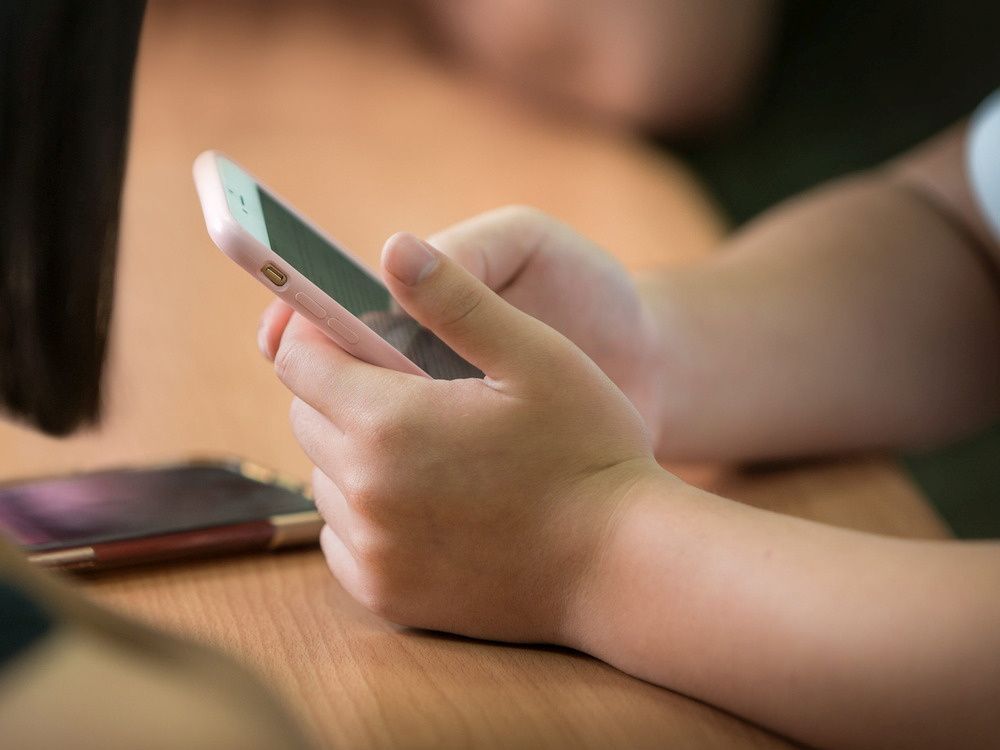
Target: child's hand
(544, 268)
(473, 506)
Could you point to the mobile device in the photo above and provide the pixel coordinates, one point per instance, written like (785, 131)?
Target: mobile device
(122, 517)
(314, 275)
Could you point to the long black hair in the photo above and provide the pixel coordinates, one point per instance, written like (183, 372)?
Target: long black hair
(65, 89)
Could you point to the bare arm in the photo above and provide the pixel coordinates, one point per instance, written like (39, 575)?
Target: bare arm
(560, 527)
(833, 637)
(864, 314)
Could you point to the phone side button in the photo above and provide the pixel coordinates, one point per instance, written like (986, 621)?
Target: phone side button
(342, 331)
(310, 304)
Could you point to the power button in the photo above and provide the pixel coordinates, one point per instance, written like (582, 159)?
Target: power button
(342, 331)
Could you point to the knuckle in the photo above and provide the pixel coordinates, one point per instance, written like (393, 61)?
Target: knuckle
(377, 593)
(386, 431)
(362, 494)
(366, 489)
(370, 548)
(460, 305)
(285, 359)
(353, 480)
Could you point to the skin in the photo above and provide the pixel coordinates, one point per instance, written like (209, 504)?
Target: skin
(526, 507)
(671, 64)
(862, 315)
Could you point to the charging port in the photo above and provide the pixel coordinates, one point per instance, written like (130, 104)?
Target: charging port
(274, 275)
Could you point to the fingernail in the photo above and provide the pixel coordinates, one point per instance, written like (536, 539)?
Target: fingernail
(408, 258)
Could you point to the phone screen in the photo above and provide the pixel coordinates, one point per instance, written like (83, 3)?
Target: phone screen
(338, 275)
(104, 506)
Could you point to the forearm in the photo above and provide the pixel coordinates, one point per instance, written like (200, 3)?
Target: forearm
(858, 316)
(833, 637)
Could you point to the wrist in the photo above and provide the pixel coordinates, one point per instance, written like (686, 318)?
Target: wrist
(593, 592)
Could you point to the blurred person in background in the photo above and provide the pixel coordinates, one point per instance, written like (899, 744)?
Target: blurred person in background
(673, 65)
(763, 98)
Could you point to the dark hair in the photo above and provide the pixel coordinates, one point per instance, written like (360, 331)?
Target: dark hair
(65, 89)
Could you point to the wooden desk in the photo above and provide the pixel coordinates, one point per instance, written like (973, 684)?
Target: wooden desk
(369, 138)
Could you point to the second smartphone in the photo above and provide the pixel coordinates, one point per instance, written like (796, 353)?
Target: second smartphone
(315, 276)
(116, 517)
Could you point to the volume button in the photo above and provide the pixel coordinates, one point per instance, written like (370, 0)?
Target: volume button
(310, 304)
(343, 331)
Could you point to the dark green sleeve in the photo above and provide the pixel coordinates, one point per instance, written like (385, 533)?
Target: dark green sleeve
(852, 84)
(22, 622)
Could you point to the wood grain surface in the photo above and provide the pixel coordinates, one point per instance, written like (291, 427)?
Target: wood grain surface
(366, 135)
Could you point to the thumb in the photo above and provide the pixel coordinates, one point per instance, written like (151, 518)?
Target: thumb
(463, 312)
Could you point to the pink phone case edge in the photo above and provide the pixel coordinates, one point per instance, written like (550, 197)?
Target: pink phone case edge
(247, 252)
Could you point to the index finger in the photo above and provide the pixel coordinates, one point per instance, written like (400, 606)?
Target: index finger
(331, 380)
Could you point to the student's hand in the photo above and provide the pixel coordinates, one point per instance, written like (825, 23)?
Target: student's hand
(474, 506)
(544, 268)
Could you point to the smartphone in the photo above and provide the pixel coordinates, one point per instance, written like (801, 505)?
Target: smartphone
(120, 517)
(314, 275)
